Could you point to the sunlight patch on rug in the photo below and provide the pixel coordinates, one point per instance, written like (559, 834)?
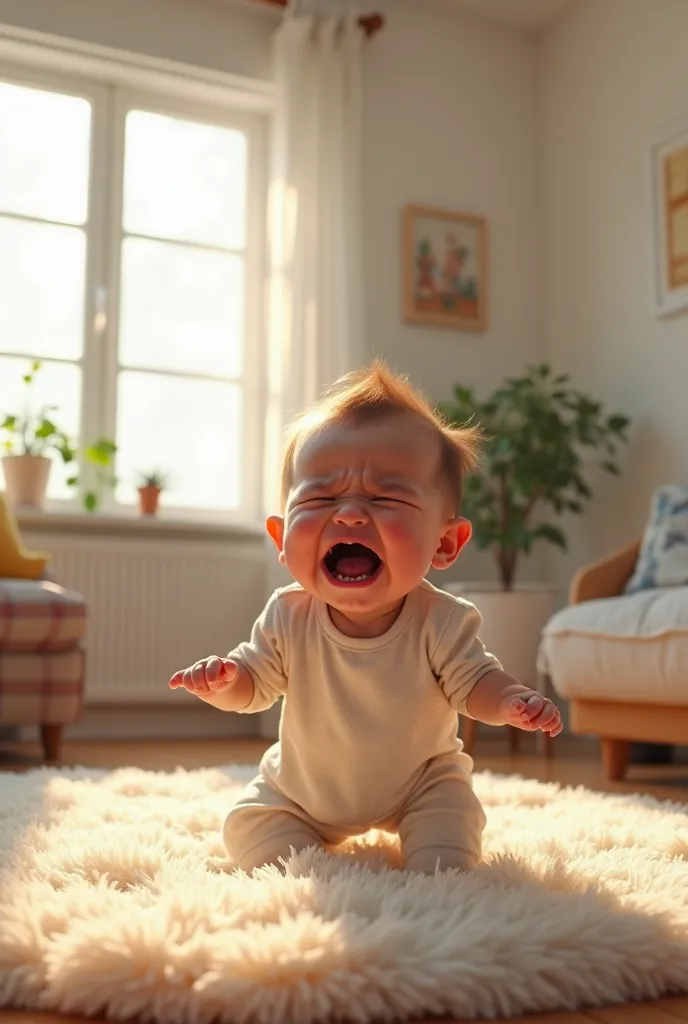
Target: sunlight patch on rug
(116, 899)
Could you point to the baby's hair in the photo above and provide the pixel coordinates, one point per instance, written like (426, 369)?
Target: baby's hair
(374, 393)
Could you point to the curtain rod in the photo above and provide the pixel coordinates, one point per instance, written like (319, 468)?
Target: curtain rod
(370, 23)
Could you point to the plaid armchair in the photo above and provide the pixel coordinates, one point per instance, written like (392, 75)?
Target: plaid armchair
(42, 626)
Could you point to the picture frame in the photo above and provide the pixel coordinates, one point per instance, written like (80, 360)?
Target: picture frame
(444, 268)
(669, 170)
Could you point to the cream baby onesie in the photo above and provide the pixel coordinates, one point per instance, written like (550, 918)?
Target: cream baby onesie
(368, 731)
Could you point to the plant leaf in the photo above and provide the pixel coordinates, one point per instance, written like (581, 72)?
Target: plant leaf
(45, 429)
(101, 452)
(551, 533)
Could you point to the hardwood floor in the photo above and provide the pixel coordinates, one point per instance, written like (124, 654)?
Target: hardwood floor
(576, 762)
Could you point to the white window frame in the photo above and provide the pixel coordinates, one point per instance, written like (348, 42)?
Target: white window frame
(115, 82)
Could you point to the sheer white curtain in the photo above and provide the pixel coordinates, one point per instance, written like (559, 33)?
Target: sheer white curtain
(315, 322)
(315, 297)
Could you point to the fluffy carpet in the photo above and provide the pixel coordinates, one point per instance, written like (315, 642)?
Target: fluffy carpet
(116, 899)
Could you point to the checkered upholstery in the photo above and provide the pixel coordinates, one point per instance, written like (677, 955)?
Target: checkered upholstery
(39, 616)
(41, 688)
(41, 658)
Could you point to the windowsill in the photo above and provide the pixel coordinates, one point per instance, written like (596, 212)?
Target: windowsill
(163, 527)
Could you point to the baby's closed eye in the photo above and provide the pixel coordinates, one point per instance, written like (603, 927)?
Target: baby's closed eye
(313, 499)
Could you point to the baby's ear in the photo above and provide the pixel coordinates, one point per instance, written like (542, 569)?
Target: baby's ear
(456, 534)
(275, 527)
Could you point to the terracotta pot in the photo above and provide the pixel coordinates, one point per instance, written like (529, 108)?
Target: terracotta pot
(26, 479)
(148, 500)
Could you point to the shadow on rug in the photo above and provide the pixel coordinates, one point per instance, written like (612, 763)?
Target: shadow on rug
(116, 899)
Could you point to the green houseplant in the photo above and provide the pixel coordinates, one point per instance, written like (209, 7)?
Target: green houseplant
(537, 430)
(541, 439)
(29, 437)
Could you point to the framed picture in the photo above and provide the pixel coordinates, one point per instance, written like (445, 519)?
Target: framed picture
(444, 268)
(670, 206)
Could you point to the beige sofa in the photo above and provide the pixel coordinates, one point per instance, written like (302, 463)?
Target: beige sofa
(621, 660)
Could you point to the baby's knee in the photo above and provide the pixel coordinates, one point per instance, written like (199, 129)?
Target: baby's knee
(236, 832)
(427, 860)
(444, 829)
(257, 836)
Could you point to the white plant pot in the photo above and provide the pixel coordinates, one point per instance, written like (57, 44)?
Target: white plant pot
(26, 479)
(512, 622)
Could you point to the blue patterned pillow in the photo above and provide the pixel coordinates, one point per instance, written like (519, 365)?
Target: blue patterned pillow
(663, 559)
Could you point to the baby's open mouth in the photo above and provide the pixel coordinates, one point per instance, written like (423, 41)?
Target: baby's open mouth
(351, 563)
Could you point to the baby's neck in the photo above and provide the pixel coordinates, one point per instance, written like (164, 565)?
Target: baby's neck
(367, 624)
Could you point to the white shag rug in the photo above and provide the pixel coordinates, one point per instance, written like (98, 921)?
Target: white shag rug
(116, 899)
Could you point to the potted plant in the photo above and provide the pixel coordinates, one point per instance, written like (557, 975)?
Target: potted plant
(31, 435)
(537, 429)
(150, 488)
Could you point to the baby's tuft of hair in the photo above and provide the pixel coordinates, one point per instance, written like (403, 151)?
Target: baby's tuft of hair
(375, 393)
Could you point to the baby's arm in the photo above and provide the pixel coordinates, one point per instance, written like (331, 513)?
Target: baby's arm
(499, 699)
(474, 682)
(223, 682)
(251, 677)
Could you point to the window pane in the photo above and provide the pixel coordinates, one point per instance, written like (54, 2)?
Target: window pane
(45, 153)
(184, 180)
(181, 309)
(42, 271)
(189, 429)
(55, 384)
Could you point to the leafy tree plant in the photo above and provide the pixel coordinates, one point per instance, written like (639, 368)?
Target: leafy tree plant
(537, 429)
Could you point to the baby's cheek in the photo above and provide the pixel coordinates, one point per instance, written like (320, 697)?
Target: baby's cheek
(301, 536)
(405, 538)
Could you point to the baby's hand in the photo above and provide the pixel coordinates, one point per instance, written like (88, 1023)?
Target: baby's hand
(205, 677)
(531, 711)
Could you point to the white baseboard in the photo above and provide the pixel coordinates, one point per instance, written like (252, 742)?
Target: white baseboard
(101, 722)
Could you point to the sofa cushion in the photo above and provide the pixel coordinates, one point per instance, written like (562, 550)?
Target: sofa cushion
(632, 648)
(663, 558)
(38, 616)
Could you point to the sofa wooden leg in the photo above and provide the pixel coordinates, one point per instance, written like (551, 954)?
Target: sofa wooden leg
(51, 738)
(615, 757)
(467, 733)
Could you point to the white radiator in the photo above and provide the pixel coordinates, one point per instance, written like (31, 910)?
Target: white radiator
(156, 605)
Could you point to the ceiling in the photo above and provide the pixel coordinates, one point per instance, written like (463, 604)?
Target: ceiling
(528, 15)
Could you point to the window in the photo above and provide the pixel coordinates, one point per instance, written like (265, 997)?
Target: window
(125, 267)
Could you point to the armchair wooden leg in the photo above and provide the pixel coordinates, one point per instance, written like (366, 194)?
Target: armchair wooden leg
(467, 732)
(51, 738)
(544, 744)
(615, 755)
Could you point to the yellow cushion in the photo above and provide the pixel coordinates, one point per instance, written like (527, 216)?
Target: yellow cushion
(15, 561)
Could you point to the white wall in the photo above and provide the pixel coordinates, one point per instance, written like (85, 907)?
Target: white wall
(614, 73)
(450, 120)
